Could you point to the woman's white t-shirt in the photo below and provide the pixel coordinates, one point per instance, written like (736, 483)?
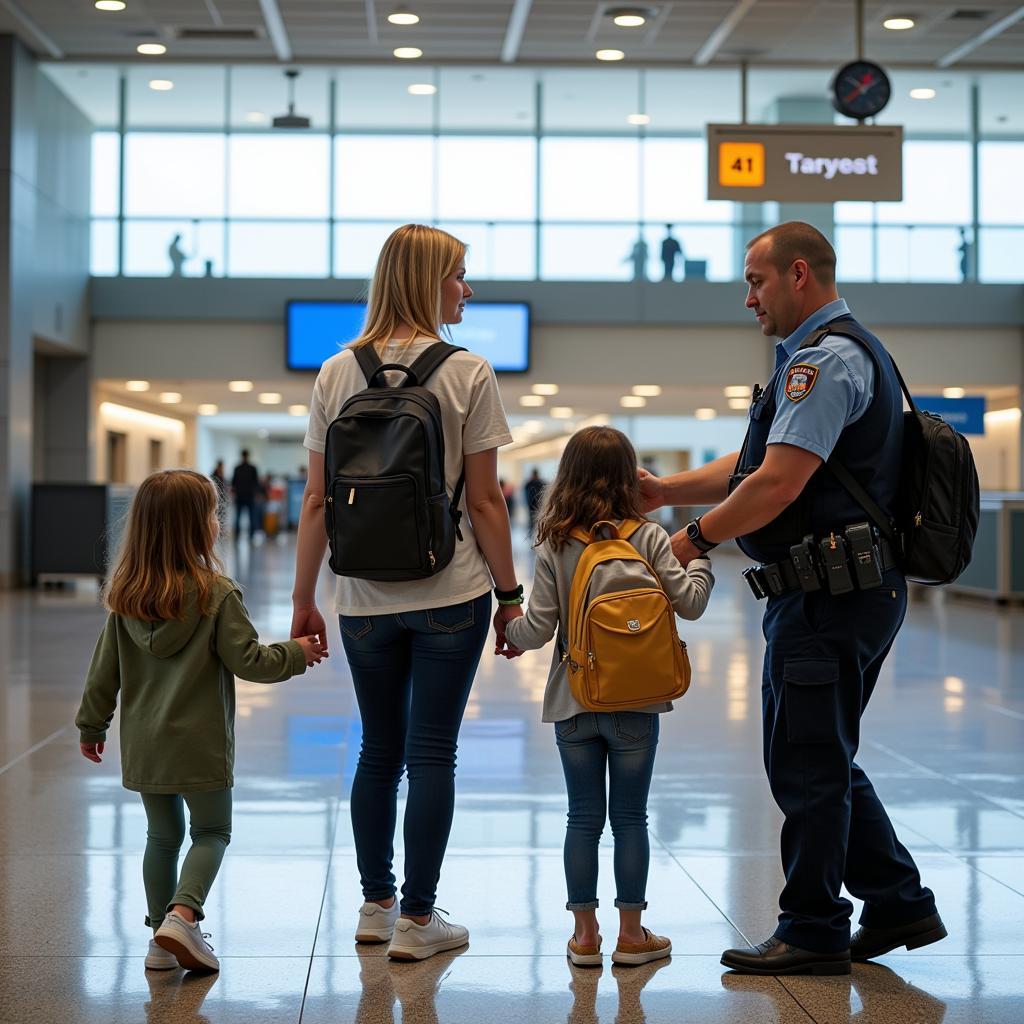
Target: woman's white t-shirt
(473, 420)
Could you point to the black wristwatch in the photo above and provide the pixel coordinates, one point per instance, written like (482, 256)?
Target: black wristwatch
(697, 539)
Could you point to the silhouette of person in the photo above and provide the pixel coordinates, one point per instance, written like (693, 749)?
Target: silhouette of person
(638, 257)
(671, 251)
(177, 255)
(534, 489)
(964, 248)
(245, 489)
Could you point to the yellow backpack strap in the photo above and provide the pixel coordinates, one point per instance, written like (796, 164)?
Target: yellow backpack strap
(578, 533)
(630, 526)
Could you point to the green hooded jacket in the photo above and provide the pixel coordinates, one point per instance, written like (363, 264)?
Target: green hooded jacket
(177, 684)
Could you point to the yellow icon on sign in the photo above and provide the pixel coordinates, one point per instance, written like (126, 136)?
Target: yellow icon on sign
(741, 164)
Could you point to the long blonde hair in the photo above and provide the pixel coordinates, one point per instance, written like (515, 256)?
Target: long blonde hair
(168, 543)
(406, 285)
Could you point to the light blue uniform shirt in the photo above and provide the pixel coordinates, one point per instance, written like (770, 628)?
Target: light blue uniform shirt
(839, 392)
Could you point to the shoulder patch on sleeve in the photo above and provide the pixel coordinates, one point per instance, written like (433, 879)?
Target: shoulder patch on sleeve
(800, 380)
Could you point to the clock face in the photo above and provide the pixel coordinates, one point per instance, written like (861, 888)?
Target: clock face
(860, 89)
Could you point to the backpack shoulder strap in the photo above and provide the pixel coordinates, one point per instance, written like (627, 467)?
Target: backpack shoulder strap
(629, 527)
(427, 362)
(368, 360)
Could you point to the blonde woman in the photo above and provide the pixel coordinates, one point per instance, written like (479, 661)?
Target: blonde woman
(413, 647)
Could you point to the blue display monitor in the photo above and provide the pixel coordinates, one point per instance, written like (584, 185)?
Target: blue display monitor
(319, 329)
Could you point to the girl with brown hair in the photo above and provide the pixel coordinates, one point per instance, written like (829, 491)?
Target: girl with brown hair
(176, 637)
(597, 482)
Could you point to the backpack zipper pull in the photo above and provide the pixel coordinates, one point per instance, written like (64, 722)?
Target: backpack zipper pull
(917, 519)
(352, 496)
(433, 560)
(590, 659)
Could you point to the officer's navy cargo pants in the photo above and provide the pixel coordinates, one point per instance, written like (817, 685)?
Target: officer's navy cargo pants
(822, 662)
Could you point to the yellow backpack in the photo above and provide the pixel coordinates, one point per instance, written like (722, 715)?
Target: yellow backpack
(622, 650)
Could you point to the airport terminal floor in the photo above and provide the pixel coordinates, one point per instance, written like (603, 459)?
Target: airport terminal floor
(942, 742)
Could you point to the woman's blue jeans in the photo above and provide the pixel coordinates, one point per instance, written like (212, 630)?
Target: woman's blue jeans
(621, 745)
(412, 674)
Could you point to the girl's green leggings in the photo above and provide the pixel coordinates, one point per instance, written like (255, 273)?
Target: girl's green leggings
(210, 829)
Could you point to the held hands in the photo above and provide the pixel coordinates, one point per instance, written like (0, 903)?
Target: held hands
(313, 649)
(309, 628)
(92, 751)
(505, 614)
(651, 491)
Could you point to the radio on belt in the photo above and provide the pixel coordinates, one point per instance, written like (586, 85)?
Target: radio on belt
(802, 556)
(865, 556)
(833, 560)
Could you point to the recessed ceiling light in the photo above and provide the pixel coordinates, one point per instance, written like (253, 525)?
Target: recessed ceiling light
(639, 118)
(298, 410)
(151, 49)
(422, 89)
(161, 85)
(632, 402)
(136, 385)
(737, 391)
(628, 18)
(531, 401)
(545, 389)
(898, 24)
(240, 385)
(922, 94)
(609, 55)
(953, 392)
(407, 52)
(170, 397)
(739, 403)
(562, 412)
(256, 117)
(110, 5)
(207, 409)
(647, 390)
(269, 398)
(533, 426)
(705, 414)
(403, 17)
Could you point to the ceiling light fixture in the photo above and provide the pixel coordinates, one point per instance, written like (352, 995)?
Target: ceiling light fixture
(298, 410)
(207, 409)
(629, 17)
(647, 390)
(256, 117)
(240, 386)
(110, 5)
(161, 85)
(545, 389)
(900, 24)
(609, 55)
(705, 414)
(407, 52)
(136, 385)
(533, 426)
(269, 398)
(953, 392)
(531, 401)
(291, 119)
(632, 402)
(151, 49)
(562, 412)
(170, 397)
(739, 403)
(737, 391)
(422, 89)
(922, 94)
(403, 17)
(639, 118)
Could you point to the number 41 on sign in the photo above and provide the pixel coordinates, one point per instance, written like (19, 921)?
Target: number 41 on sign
(741, 164)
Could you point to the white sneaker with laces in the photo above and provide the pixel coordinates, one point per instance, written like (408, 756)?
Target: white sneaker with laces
(413, 941)
(377, 923)
(187, 943)
(158, 959)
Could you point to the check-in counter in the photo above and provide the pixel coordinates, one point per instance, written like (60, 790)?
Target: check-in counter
(997, 568)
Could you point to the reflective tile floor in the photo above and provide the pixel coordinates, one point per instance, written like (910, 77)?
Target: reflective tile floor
(944, 743)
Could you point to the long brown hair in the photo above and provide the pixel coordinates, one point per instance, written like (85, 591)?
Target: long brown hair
(596, 479)
(406, 285)
(168, 543)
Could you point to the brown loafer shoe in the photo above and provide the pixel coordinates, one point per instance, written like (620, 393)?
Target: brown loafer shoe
(773, 956)
(871, 942)
(654, 947)
(584, 956)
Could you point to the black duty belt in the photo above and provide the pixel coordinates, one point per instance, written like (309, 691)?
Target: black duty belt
(831, 564)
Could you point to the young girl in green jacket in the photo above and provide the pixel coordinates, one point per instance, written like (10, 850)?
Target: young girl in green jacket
(176, 636)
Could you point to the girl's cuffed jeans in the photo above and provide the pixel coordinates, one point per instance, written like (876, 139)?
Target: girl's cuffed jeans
(621, 745)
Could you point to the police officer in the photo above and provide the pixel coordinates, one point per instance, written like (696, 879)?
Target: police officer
(830, 395)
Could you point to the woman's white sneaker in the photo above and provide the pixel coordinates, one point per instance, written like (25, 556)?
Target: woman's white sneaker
(187, 943)
(377, 923)
(158, 959)
(413, 941)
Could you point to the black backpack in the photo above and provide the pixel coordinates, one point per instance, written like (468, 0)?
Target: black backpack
(938, 501)
(387, 509)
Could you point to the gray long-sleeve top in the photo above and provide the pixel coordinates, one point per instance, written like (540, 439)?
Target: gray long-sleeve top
(548, 609)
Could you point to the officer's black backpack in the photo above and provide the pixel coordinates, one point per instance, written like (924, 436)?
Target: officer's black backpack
(938, 502)
(387, 509)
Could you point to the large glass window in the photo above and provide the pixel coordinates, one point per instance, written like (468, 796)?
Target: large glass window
(484, 178)
(278, 176)
(174, 174)
(590, 179)
(384, 177)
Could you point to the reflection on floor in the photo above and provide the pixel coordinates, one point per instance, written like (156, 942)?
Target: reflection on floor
(943, 743)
